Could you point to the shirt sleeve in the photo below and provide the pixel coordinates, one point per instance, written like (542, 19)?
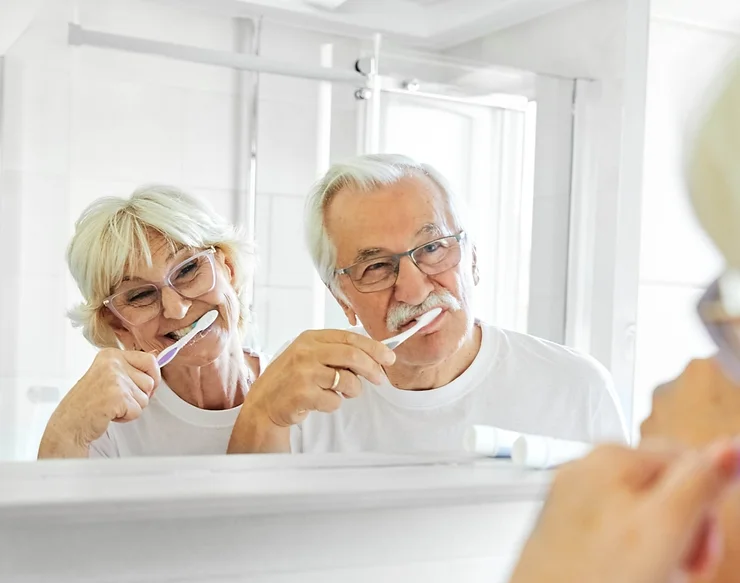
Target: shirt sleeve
(104, 447)
(607, 419)
(296, 439)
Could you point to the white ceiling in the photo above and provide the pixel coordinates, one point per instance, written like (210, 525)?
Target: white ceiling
(437, 24)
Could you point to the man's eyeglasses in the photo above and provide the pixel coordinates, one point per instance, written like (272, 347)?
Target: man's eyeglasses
(432, 258)
(138, 304)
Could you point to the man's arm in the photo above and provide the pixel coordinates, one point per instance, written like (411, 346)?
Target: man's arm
(254, 433)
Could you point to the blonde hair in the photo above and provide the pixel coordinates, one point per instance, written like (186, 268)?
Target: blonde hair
(713, 171)
(113, 234)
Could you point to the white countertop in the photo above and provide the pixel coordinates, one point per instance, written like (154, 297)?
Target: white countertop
(266, 519)
(257, 484)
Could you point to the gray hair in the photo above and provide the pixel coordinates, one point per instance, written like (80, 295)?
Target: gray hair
(364, 174)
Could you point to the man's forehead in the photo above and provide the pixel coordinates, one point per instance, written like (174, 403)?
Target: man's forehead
(426, 232)
(412, 198)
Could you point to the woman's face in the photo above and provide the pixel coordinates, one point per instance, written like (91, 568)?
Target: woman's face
(178, 313)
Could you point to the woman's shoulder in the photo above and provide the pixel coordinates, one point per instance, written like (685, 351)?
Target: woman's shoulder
(257, 359)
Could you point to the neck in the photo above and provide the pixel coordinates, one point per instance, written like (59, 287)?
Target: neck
(412, 377)
(222, 384)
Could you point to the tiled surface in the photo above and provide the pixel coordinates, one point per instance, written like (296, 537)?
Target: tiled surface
(669, 335)
(209, 139)
(287, 147)
(289, 262)
(677, 260)
(124, 130)
(288, 314)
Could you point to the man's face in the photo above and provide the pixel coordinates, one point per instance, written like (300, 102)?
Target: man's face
(390, 220)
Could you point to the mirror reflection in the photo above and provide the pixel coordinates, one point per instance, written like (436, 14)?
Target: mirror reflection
(215, 251)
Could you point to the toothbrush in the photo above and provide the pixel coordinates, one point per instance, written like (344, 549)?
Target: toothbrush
(425, 320)
(166, 356)
(394, 341)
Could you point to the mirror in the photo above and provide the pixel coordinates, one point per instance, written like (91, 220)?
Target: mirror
(94, 110)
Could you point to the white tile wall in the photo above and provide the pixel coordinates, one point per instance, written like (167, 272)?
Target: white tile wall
(44, 121)
(290, 265)
(10, 348)
(8, 433)
(677, 260)
(209, 139)
(41, 306)
(43, 223)
(286, 143)
(682, 63)
(668, 336)
(263, 228)
(289, 312)
(124, 130)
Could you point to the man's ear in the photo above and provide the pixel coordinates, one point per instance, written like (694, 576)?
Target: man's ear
(346, 308)
(349, 312)
(476, 271)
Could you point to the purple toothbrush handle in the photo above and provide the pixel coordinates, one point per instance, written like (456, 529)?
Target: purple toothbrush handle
(166, 356)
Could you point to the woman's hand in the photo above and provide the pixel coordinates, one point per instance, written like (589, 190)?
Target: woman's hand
(643, 516)
(699, 407)
(301, 380)
(116, 387)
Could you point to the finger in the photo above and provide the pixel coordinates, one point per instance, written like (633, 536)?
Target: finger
(353, 359)
(378, 351)
(705, 551)
(138, 395)
(141, 379)
(636, 468)
(655, 456)
(130, 409)
(146, 363)
(690, 489)
(326, 401)
(349, 385)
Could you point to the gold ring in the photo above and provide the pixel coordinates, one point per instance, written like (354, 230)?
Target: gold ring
(335, 384)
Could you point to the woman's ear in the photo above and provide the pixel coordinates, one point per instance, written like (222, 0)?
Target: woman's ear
(228, 264)
(124, 335)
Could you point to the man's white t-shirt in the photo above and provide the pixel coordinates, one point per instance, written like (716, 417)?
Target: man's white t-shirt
(170, 426)
(516, 382)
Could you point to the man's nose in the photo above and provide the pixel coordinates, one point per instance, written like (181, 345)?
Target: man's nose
(174, 306)
(412, 285)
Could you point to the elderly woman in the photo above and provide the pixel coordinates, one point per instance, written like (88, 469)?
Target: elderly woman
(149, 267)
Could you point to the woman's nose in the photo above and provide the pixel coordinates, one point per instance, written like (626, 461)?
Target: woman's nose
(174, 306)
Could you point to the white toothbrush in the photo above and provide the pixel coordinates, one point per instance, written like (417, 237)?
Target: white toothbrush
(166, 356)
(424, 320)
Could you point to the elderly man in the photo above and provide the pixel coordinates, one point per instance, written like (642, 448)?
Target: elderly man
(388, 239)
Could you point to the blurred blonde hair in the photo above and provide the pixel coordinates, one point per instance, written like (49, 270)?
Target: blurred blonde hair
(113, 233)
(714, 168)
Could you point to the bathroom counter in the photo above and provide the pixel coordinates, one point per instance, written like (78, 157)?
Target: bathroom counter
(271, 518)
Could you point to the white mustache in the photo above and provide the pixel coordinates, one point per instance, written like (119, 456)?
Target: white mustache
(403, 313)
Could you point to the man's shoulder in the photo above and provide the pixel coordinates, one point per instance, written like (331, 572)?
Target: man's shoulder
(548, 357)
